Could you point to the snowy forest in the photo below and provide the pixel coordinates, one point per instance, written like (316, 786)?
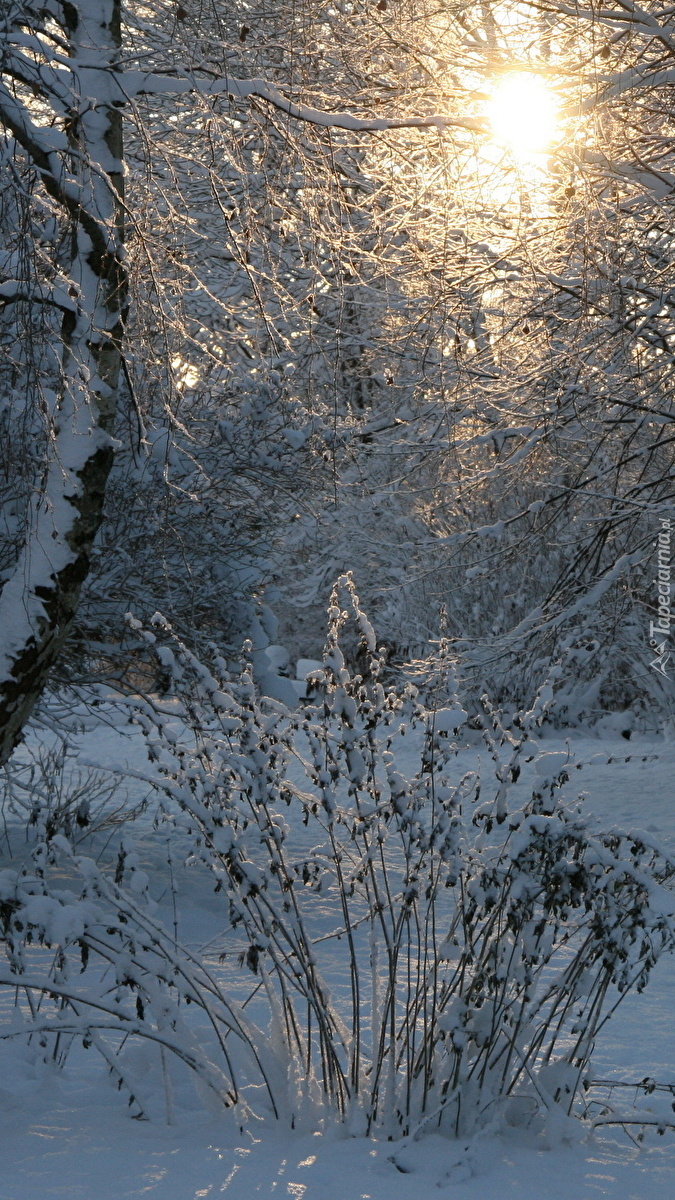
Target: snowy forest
(337, 491)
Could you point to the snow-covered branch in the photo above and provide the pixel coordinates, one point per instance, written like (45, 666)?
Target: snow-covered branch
(136, 83)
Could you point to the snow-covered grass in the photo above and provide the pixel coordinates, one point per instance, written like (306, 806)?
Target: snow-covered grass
(67, 1133)
(357, 920)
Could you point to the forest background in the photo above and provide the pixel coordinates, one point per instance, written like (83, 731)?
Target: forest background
(337, 318)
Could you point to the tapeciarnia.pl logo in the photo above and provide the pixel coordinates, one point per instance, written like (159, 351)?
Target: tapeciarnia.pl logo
(659, 630)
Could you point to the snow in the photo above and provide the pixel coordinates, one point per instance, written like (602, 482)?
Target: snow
(68, 1133)
(101, 1154)
(307, 666)
(449, 720)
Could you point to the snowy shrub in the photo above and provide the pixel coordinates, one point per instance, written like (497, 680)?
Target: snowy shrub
(407, 946)
(48, 792)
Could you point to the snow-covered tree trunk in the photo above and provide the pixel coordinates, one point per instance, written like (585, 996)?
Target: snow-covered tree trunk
(78, 158)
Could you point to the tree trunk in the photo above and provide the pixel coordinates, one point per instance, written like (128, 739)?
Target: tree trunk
(39, 601)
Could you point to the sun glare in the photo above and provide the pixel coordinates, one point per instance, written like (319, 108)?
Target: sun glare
(523, 113)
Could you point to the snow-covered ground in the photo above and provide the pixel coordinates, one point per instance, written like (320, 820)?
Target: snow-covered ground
(87, 1151)
(68, 1134)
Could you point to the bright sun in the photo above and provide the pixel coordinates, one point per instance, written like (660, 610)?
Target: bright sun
(522, 111)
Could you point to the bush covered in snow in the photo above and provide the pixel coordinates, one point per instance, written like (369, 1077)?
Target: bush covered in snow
(409, 947)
